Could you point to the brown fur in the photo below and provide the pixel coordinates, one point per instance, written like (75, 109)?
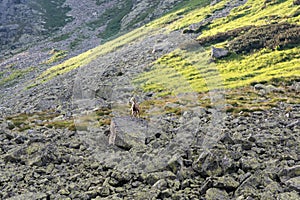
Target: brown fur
(135, 109)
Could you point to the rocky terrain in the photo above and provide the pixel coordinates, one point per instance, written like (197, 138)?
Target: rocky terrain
(68, 24)
(253, 157)
(72, 136)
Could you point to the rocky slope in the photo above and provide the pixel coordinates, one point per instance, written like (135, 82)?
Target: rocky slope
(72, 137)
(254, 157)
(70, 25)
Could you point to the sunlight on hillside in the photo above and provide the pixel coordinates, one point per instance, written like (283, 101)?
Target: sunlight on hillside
(88, 56)
(255, 13)
(184, 71)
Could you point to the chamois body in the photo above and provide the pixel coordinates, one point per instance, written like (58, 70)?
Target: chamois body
(135, 109)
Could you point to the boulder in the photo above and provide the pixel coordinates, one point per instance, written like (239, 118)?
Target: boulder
(227, 183)
(128, 132)
(289, 172)
(218, 52)
(296, 2)
(288, 195)
(30, 195)
(216, 194)
(294, 184)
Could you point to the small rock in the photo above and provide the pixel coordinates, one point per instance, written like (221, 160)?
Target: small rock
(259, 87)
(160, 184)
(218, 52)
(127, 132)
(165, 194)
(104, 191)
(152, 178)
(289, 172)
(288, 195)
(294, 184)
(216, 194)
(226, 182)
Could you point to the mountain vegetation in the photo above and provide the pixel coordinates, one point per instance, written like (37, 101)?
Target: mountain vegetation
(211, 127)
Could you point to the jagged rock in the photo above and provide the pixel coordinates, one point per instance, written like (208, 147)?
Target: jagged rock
(152, 178)
(226, 183)
(165, 194)
(121, 178)
(127, 132)
(266, 89)
(104, 191)
(213, 163)
(216, 194)
(249, 163)
(206, 185)
(160, 184)
(30, 195)
(294, 184)
(288, 195)
(175, 164)
(218, 52)
(11, 157)
(289, 172)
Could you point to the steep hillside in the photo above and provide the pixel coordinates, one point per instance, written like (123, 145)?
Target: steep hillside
(211, 127)
(71, 25)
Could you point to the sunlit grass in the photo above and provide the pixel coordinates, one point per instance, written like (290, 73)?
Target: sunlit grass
(254, 13)
(261, 66)
(88, 56)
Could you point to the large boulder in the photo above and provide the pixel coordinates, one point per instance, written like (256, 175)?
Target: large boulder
(128, 132)
(218, 52)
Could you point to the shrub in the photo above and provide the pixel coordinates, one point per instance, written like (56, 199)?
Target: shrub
(270, 36)
(223, 36)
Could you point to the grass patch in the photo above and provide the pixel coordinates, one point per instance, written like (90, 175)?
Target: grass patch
(14, 76)
(115, 16)
(62, 124)
(57, 55)
(54, 13)
(90, 55)
(254, 13)
(270, 36)
(246, 99)
(264, 65)
(189, 9)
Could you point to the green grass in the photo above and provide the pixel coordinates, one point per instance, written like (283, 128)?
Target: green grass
(190, 11)
(57, 55)
(190, 70)
(242, 70)
(88, 56)
(254, 13)
(13, 76)
(115, 16)
(53, 12)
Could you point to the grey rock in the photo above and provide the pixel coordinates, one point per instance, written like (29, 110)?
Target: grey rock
(259, 87)
(219, 52)
(30, 195)
(206, 185)
(289, 172)
(226, 183)
(165, 193)
(216, 194)
(152, 178)
(294, 184)
(127, 132)
(288, 195)
(160, 184)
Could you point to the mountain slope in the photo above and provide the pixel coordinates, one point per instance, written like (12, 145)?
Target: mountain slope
(210, 128)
